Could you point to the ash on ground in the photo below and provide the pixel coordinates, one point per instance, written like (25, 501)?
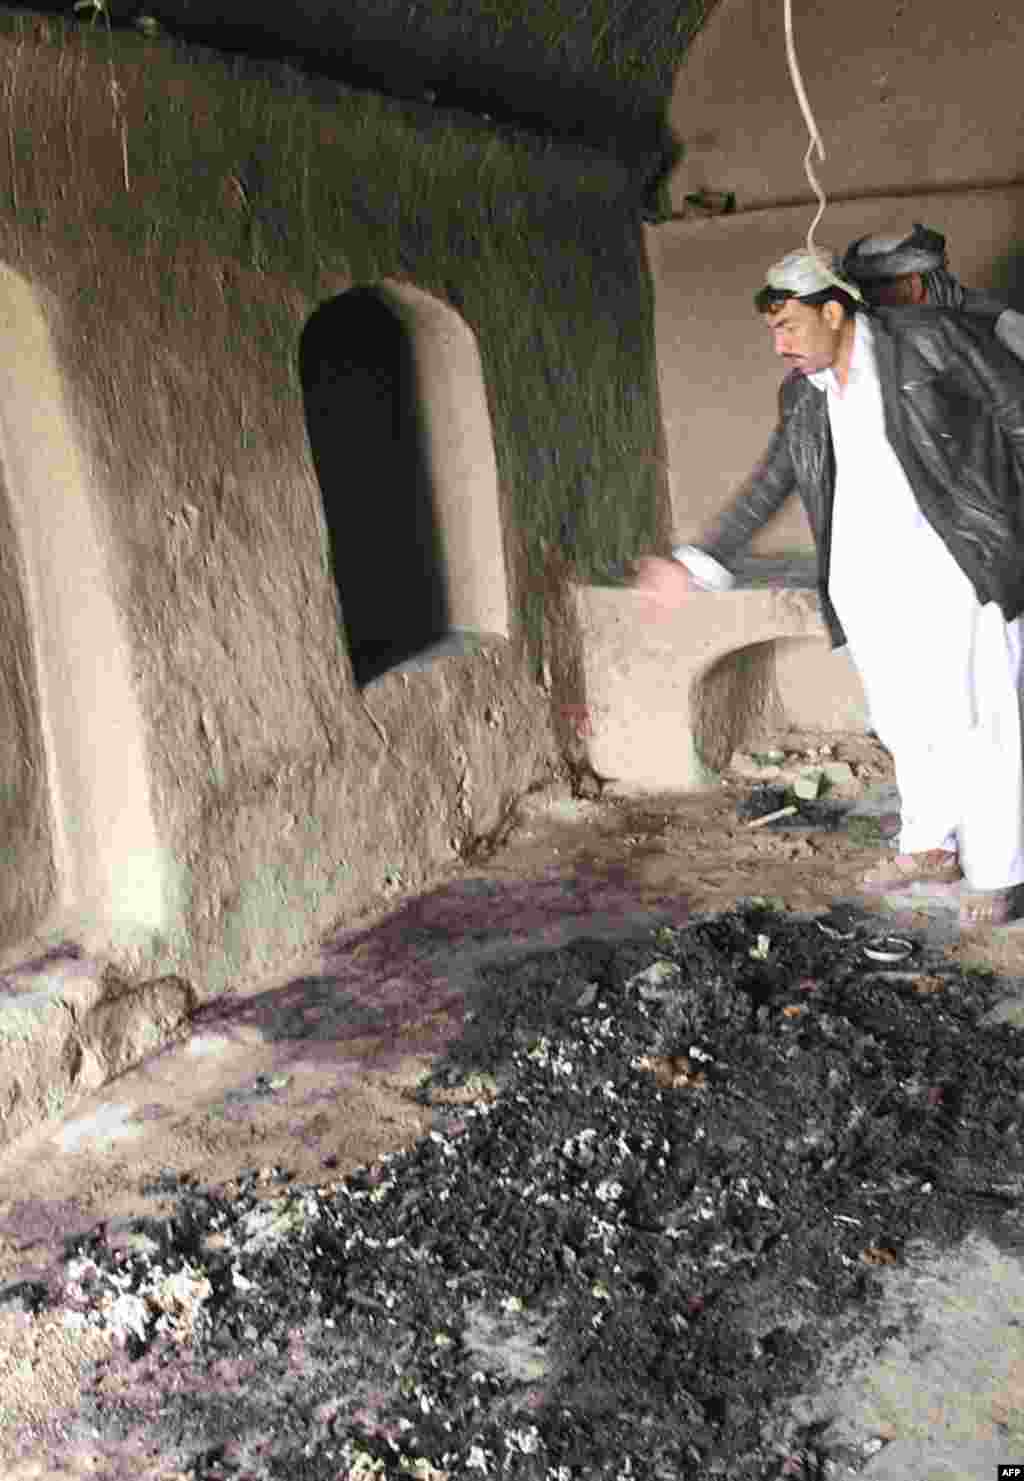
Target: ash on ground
(664, 1183)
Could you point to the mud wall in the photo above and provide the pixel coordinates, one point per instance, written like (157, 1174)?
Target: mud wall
(174, 223)
(27, 876)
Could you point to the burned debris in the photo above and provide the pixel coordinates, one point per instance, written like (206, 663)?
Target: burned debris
(665, 1177)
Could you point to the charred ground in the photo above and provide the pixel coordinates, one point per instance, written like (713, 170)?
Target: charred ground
(663, 1180)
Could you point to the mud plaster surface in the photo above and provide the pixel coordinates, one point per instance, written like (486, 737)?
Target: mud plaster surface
(320, 1068)
(946, 1389)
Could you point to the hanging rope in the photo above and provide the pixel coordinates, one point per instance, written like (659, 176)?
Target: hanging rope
(812, 129)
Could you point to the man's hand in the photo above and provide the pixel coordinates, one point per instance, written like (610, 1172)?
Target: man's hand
(666, 583)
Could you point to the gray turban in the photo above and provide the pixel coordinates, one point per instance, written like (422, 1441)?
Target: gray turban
(803, 273)
(896, 254)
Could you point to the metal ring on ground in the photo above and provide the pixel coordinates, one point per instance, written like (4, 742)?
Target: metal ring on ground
(889, 949)
(834, 933)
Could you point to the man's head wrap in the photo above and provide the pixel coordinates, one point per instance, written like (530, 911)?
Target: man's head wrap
(804, 273)
(896, 254)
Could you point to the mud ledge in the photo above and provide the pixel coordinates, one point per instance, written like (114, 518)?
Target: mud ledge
(69, 1024)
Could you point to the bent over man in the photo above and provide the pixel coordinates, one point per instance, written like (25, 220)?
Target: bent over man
(897, 269)
(902, 430)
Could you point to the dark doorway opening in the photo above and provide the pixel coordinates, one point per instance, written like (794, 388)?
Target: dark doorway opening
(367, 436)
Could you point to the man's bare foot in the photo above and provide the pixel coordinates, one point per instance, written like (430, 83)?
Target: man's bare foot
(988, 907)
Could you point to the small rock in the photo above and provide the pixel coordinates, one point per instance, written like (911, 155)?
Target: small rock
(141, 1244)
(652, 982)
(807, 785)
(132, 1022)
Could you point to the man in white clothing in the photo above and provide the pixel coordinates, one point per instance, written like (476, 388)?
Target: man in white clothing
(903, 433)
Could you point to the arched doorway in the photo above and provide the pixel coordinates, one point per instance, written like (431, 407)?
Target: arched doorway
(400, 436)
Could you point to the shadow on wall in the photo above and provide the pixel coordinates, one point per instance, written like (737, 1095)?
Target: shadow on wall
(732, 701)
(783, 683)
(369, 445)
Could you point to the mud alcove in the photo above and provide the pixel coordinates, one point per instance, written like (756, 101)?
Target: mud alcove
(400, 435)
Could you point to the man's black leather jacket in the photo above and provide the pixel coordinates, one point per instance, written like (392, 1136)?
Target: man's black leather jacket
(954, 415)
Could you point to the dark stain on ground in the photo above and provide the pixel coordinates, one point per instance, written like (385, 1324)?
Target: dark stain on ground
(19, 977)
(417, 962)
(664, 1176)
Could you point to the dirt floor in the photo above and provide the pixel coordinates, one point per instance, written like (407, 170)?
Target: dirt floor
(306, 1079)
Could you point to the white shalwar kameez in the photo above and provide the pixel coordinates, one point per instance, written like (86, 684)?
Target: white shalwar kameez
(942, 673)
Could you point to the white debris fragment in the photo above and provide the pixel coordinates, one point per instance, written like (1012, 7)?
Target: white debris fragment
(180, 1297)
(362, 1466)
(422, 1469)
(651, 982)
(275, 1220)
(129, 1314)
(526, 1442)
(578, 1148)
(168, 1302)
(609, 1191)
(552, 1057)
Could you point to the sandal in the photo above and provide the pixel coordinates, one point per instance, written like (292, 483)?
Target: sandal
(987, 908)
(933, 866)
